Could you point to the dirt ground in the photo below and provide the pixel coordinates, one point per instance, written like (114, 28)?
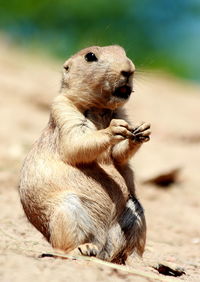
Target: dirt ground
(28, 83)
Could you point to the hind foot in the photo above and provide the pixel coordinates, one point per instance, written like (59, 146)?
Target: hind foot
(88, 249)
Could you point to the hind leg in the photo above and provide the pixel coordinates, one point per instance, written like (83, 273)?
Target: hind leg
(128, 235)
(71, 227)
(133, 226)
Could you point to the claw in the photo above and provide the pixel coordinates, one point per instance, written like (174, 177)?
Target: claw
(141, 133)
(142, 127)
(88, 250)
(142, 138)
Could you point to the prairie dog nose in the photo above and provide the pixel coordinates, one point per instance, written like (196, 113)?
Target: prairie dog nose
(126, 74)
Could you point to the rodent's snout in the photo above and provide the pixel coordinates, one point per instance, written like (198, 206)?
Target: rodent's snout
(126, 74)
(127, 70)
(124, 88)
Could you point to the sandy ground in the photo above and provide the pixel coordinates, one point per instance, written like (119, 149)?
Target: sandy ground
(28, 84)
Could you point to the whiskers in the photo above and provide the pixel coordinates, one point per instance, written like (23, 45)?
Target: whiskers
(143, 77)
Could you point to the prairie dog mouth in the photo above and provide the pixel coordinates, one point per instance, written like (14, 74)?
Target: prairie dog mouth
(122, 92)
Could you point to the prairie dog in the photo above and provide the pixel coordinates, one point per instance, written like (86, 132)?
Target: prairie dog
(76, 185)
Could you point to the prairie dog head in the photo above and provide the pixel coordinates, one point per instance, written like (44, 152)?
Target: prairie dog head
(100, 77)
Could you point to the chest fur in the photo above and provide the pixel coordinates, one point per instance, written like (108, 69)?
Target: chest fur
(100, 118)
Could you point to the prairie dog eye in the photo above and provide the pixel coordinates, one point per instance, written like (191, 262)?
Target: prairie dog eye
(91, 57)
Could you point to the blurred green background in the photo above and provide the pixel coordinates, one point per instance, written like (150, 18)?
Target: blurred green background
(159, 34)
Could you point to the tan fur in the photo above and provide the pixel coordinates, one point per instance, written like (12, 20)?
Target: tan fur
(76, 185)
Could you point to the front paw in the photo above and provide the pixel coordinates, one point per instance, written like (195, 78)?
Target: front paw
(141, 133)
(119, 130)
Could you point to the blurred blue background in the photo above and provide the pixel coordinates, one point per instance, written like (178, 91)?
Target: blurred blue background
(159, 34)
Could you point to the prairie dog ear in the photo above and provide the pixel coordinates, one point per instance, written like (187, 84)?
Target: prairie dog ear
(66, 66)
(65, 75)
